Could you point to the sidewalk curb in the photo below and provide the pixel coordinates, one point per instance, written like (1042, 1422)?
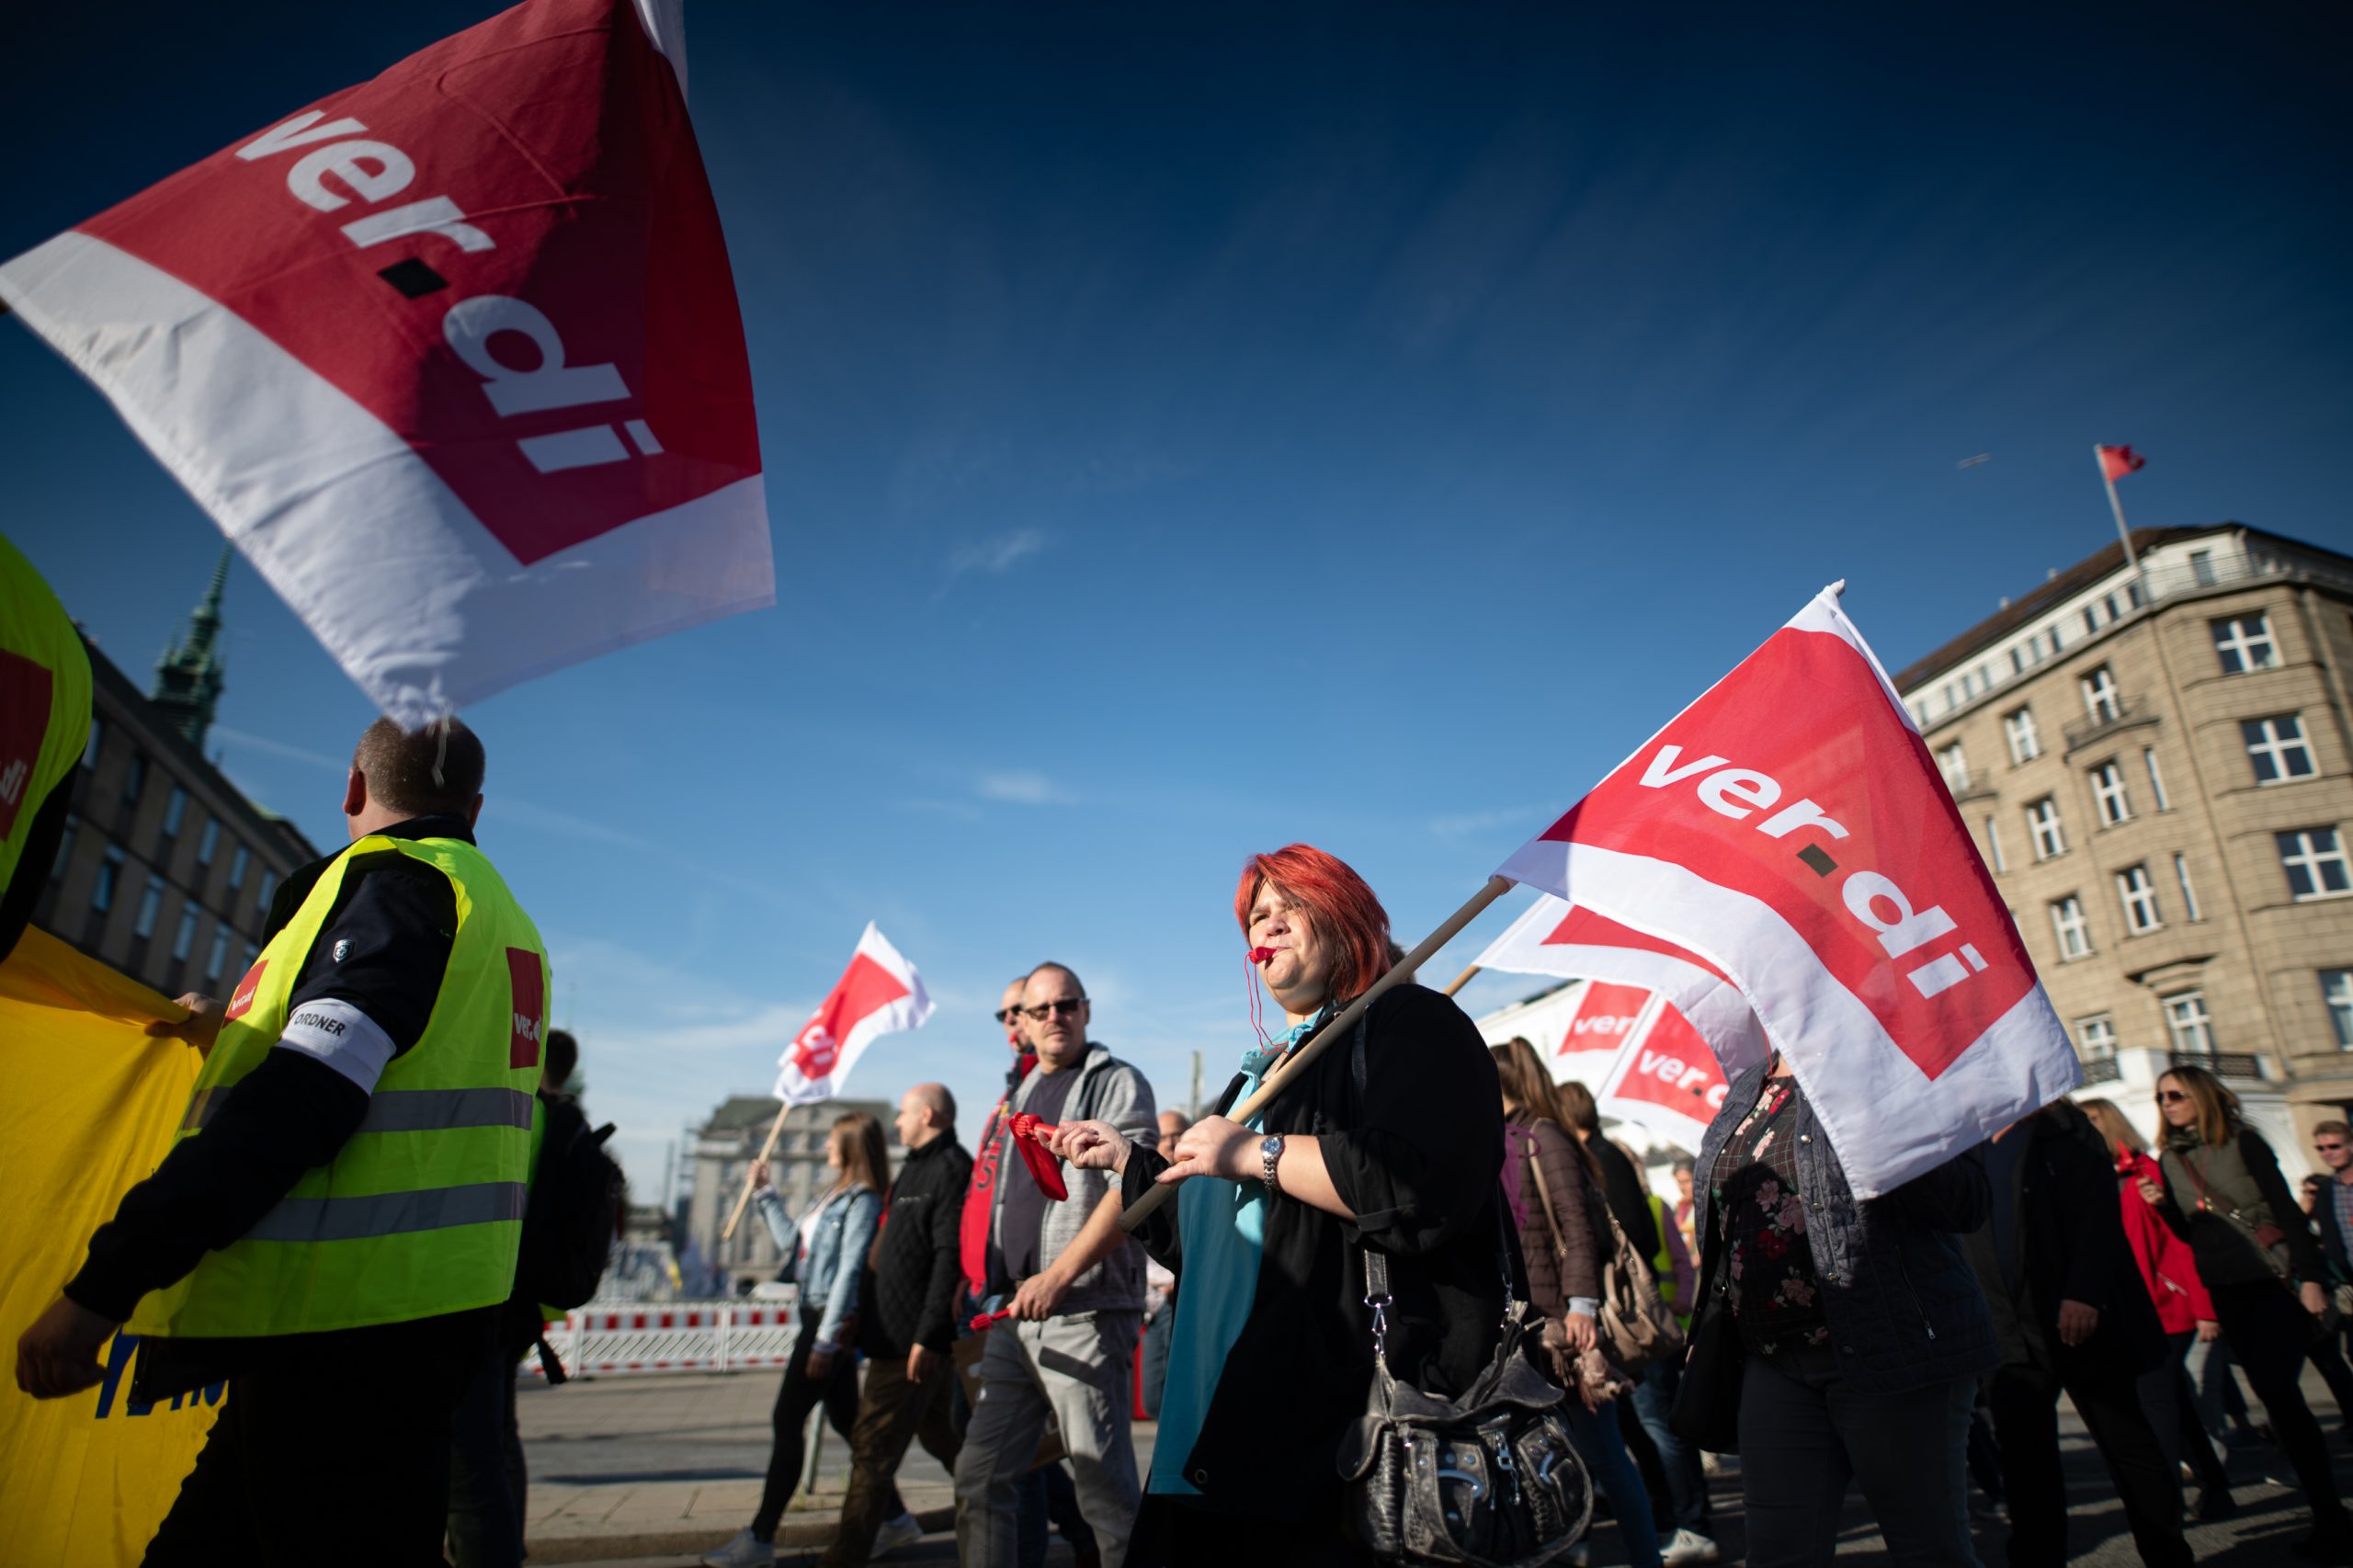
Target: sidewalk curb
(804, 1534)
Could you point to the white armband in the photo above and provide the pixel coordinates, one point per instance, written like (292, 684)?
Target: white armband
(341, 1036)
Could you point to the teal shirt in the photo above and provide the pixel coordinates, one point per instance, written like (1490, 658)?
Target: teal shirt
(1223, 1225)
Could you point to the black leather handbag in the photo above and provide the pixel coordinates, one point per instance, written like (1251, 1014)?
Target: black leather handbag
(1489, 1479)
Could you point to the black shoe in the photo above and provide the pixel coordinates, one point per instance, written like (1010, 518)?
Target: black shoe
(2215, 1504)
(2331, 1541)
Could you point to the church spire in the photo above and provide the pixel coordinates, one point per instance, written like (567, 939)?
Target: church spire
(188, 677)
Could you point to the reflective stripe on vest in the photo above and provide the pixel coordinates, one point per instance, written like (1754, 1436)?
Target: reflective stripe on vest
(420, 1212)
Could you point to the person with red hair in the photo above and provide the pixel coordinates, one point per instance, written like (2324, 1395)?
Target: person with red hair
(1391, 1139)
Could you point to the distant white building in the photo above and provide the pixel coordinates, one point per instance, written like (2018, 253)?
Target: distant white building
(725, 1148)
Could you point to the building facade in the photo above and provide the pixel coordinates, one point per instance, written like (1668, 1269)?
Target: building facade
(166, 871)
(2157, 761)
(725, 1148)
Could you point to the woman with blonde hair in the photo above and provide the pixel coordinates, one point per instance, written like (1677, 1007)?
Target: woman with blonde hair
(2220, 1189)
(825, 1254)
(1547, 1175)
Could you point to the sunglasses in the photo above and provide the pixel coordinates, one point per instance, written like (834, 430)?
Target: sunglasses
(1067, 1007)
(1004, 1015)
(2167, 1096)
(2329, 1148)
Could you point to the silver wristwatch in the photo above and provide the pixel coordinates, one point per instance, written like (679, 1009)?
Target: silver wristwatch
(1271, 1151)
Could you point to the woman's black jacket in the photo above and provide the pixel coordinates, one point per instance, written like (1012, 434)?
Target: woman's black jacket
(1415, 1152)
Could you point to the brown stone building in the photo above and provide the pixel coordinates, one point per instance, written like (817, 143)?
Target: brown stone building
(2158, 764)
(166, 871)
(724, 1149)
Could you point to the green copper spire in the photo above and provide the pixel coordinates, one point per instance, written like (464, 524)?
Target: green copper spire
(188, 677)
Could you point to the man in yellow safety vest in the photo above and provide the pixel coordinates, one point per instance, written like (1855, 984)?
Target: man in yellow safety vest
(44, 725)
(338, 1221)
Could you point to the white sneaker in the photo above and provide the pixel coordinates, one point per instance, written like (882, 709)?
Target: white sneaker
(1688, 1546)
(895, 1533)
(747, 1550)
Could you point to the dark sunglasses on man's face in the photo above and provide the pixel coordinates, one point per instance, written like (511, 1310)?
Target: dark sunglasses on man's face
(1004, 1015)
(1067, 1007)
(2329, 1148)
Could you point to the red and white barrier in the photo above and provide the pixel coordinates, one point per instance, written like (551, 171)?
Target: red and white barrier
(611, 1340)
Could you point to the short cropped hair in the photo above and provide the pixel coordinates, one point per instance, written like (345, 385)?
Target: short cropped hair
(399, 766)
(2334, 1129)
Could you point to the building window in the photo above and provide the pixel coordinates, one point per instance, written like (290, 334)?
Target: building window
(2187, 1022)
(2091, 619)
(209, 842)
(2095, 1038)
(175, 812)
(2139, 895)
(134, 777)
(2099, 696)
(183, 939)
(1993, 845)
(2244, 643)
(2277, 747)
(268, 889)
(2157, 780)
(2201, 568)
(109, 873)
(2189, 893)
(64, 847)
(218, 958)
(237, 863)
(2026, 744)
(2337, 993)
(1954, 767)
(2074, 933)
(2043, 822)
(151, 903)
(2314, 858)
(90, 748)
(2108, 791)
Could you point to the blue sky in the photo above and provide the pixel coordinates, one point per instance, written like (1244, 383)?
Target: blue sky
(1188, 430)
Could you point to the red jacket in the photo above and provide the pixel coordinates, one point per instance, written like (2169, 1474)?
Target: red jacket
(2166, 1267)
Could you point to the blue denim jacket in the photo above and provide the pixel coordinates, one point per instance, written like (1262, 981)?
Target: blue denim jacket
(1904, 1306)
(830, 1275)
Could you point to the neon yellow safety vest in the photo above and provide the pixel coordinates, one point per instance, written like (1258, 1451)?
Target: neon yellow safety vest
(421, 1212)
(44, 703)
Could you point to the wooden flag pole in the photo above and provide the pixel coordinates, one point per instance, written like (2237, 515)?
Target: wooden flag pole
(1460, 981)
(765, 1150)
(1281, 1077)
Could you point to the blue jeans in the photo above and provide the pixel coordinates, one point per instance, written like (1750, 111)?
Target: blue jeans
(1653, 1399)
(1613, 1472)
(1804, 1434)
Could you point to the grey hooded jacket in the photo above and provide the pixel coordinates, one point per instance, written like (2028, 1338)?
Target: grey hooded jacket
(1107, 1090)
(1904, 1307)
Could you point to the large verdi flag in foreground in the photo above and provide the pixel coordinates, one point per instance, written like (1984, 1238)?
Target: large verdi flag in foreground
(1788, 830)
(87, 1107)
(453, 355)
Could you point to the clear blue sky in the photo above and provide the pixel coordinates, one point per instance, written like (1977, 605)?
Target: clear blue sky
(1192, 429)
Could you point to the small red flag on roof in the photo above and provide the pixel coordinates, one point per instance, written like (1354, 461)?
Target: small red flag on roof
(2116, 462)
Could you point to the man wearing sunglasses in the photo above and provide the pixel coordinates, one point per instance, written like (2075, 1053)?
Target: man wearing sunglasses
(1073, 1283)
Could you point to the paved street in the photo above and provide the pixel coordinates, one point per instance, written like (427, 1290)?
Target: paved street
(630, 1463)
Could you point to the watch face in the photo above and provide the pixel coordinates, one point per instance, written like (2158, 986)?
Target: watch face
(1269, 1145)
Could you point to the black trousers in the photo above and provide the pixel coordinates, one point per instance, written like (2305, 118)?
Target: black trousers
(2025, 1402)
(795, 1398)
(334, 1448)
(2170, 1404)
(2268, 1331)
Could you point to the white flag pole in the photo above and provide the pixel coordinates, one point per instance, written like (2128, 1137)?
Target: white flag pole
(1280, 1078)
(765, 1150)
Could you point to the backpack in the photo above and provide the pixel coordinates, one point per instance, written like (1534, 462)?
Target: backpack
(569, 1227)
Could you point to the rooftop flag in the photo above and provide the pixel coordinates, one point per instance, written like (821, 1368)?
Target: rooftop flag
(1790, 829)
(2115, 462)
(453, 355)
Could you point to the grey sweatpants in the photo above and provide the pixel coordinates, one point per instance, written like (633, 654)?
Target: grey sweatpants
(1077, 1369)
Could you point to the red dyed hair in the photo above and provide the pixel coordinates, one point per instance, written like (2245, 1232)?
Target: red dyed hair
(1342, 909)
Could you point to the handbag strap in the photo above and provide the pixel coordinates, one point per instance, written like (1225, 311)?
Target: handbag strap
(1376, 1297)
(1544, 1195)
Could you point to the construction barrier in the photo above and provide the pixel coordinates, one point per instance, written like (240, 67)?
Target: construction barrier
(614, 1339)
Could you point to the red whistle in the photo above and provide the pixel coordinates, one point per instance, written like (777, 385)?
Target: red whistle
(1260, 955)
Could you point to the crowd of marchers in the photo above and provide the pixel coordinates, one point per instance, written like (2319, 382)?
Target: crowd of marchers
(353, 1223)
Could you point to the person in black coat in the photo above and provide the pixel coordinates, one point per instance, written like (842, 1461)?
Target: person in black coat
(2071, 1313)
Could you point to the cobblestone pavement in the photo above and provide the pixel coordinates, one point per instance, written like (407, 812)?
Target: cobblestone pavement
(648, 1472)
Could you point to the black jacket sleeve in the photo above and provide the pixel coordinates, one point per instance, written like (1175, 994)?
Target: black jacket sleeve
(935, 1328)
(1158, 1231)
(1422, 1161)
(383, 949)
(2091, 1227)
(286, 1115)
(1621, 1187)
(1955, 1195)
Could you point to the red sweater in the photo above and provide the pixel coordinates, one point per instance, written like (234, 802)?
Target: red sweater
(2166, 1267)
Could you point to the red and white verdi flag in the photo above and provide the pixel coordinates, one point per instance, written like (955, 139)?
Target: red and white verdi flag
(1665, 1079)
(452, 355)
(879, 994)
(1790, 829)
